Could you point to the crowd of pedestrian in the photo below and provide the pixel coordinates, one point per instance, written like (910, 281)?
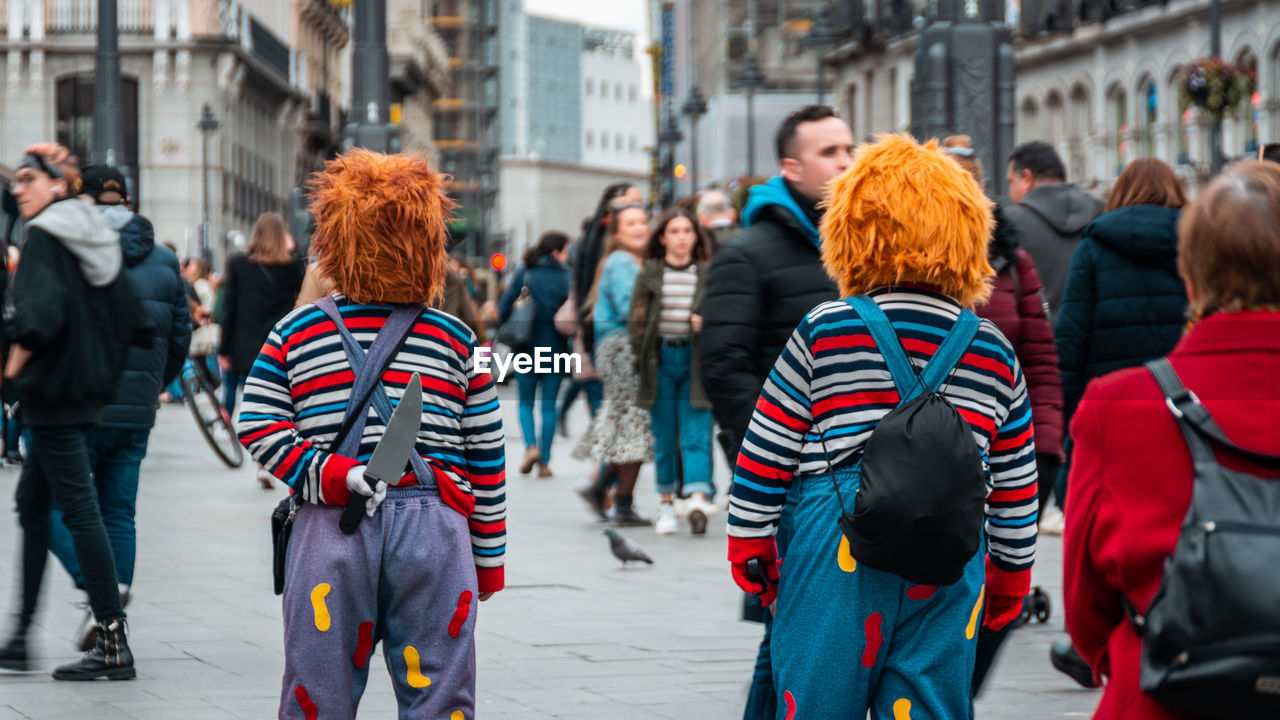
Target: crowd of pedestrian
(910, 380)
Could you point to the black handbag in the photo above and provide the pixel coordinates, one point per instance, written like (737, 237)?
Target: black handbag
(1211, 636)
(517, 332)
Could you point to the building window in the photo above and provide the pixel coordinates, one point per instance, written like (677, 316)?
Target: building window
(631, 144)
(591, 138)
(1150, 114)
(1250, 116)
(632, 93)
(1077, 131)
(1029, 121)
(1054, 125)
(617, 142)
(75, 122)
(1119, 130)
(591, 86)
(617, 92)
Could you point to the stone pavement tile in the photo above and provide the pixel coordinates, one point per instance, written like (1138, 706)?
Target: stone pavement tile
(612, 711)
(168, 710)
(647, 692)
(706, 710)
(8, 713)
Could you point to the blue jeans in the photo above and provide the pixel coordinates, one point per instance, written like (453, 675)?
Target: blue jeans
(679, 427)
(528, 385)
(114, 459)
(232, 381)
(594, 390)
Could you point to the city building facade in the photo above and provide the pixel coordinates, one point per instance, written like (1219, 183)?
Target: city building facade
(464, 124)
(708, 42)
(576, 118)
(1100, 84)
(266, 70)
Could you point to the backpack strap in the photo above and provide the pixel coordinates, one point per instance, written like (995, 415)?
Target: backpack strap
(385, 347)
(905, 377)
(1197, 425)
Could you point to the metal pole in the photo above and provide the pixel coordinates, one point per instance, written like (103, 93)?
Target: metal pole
(107, 131)
(751, 132)
(1215, 49)
(204, 185)
(693, 157)
(370, 87)
(821, 89)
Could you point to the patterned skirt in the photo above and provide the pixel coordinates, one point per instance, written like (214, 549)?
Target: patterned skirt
(620, 432)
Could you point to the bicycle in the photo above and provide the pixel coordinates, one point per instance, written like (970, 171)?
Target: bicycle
(199, 393)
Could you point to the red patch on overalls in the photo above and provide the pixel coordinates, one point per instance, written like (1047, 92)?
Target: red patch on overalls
(460, 615)
(364, 646)
(921, 592)
(308, 707)
(874, 638)
(791, 704)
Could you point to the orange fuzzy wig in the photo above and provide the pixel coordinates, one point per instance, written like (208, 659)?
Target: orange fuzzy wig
(906, 213)
(380, 227)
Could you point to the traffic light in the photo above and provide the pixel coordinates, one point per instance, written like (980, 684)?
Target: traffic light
(680, 171)
(498, 262)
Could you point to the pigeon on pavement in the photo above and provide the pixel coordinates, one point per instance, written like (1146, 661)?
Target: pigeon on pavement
(625, 549)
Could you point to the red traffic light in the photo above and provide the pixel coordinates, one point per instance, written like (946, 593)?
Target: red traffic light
(498, 261)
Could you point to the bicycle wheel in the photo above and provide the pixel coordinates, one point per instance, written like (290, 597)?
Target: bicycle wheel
(212, 419)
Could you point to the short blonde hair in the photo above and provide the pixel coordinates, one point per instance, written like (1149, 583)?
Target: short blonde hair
(905, 212)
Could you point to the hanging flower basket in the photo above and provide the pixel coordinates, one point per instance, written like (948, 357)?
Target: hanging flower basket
(1217, 86)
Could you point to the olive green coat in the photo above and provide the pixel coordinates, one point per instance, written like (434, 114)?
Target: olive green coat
(642, 324)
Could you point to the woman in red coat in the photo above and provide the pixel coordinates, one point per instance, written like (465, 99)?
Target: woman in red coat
(1131, 481)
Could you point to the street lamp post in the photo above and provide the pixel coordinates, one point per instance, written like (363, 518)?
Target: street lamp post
(1215, 49)
(667, 141)
(694, 108)
(821, 35)
(750, 79)
(108, 135)
(207, 125)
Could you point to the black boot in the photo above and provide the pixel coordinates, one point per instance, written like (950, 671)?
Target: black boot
(14, 655)
(110, 657)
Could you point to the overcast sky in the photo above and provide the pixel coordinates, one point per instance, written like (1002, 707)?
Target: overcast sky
(613, 14)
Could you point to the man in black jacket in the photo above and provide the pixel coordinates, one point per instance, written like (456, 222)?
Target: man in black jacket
(762, 283)
(760, 286)
(117, 444)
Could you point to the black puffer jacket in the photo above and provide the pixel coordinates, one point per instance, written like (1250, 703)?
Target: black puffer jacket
(157, 280)
(76, 314)
(1124, 303)
(758, 289)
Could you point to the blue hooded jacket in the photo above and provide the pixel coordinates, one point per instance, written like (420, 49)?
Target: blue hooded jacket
(773, 193)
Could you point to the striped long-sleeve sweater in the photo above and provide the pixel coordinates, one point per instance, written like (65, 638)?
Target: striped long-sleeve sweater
(830, 379)
(297, 393)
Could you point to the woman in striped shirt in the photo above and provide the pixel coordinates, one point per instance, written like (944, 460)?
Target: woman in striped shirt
(664, 328)
(410, 574)
(907, 227)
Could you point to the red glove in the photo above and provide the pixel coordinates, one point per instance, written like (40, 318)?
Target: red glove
(1005, 592)
(765, 550)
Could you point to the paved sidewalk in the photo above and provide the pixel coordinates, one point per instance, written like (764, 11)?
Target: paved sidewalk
(572, 636)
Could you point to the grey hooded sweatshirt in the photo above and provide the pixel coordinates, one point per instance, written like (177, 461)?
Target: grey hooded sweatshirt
(86, 235)
(1049, 222)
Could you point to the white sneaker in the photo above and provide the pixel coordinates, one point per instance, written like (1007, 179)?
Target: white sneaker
(1053, 522)
(665, 524)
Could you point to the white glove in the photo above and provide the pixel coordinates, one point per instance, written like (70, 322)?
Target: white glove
(359, 486)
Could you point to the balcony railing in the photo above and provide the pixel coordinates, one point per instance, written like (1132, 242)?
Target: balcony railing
(77, 17)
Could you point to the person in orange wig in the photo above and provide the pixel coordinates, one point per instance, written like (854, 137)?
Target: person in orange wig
(905, 236)
(433, 543)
